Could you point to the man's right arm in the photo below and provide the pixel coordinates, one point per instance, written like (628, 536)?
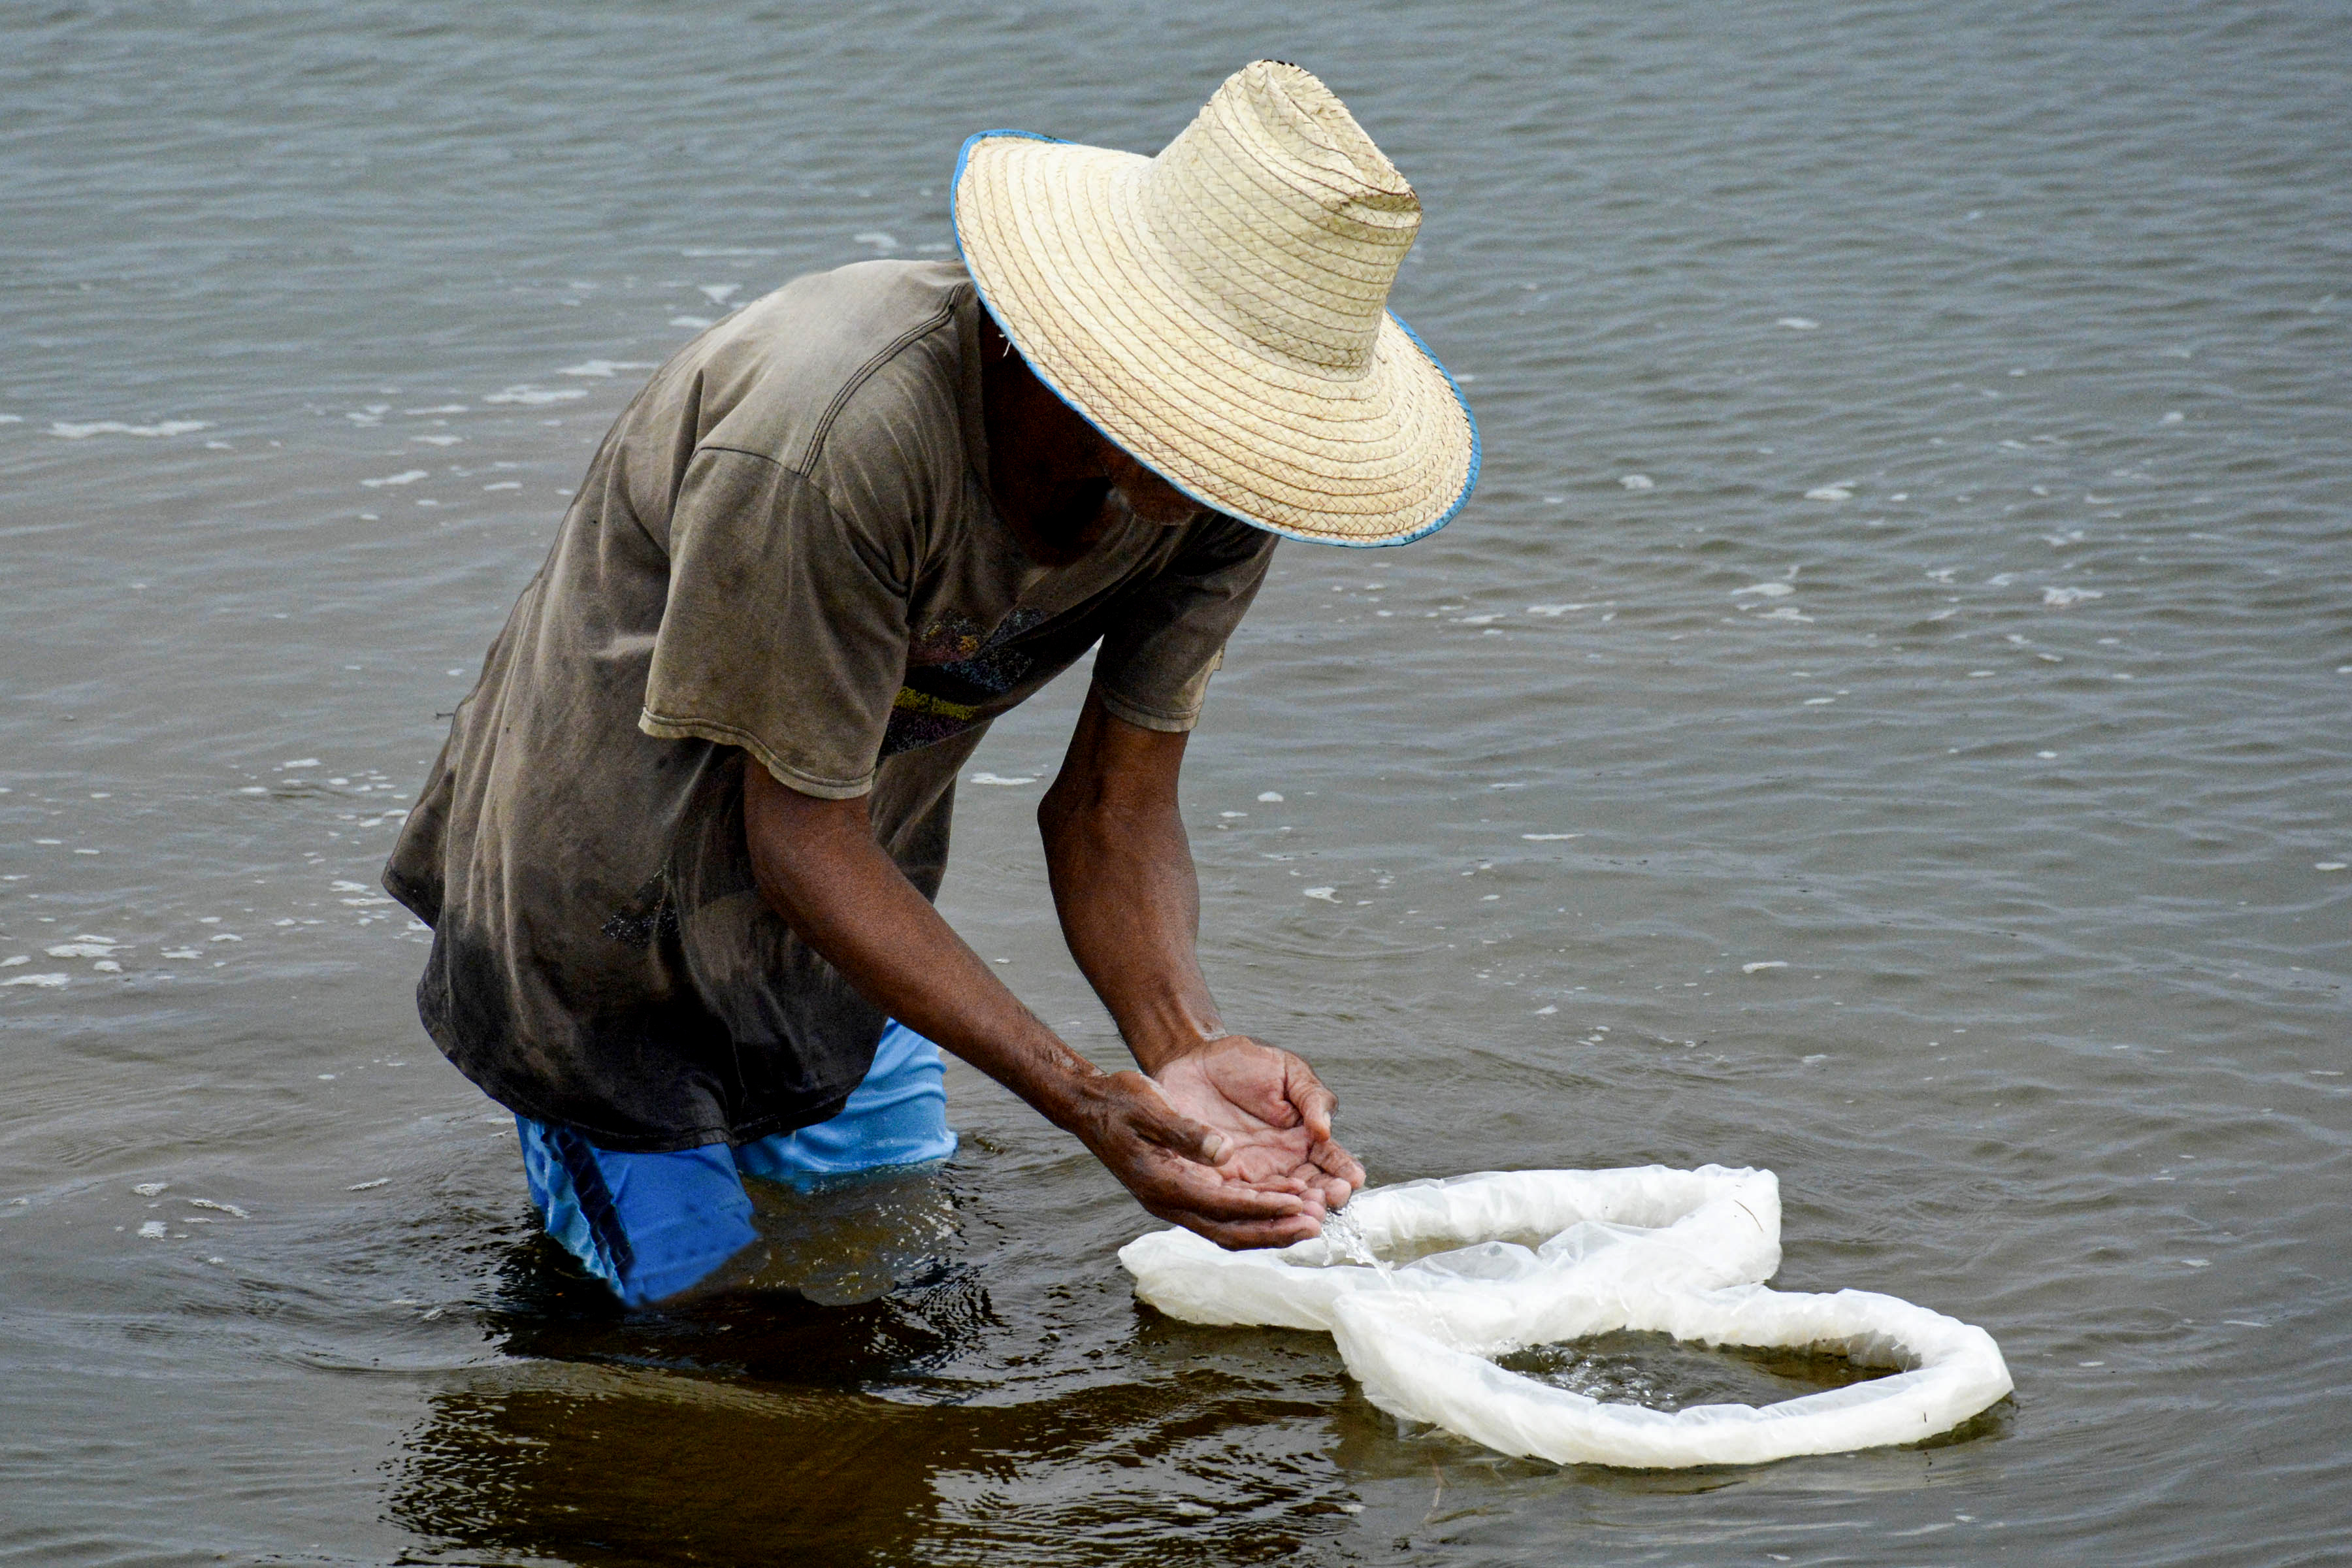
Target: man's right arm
(819, 867)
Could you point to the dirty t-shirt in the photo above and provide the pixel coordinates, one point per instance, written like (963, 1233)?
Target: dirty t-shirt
(783, 556)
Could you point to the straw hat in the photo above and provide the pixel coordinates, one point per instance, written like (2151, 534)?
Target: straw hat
(1219, 310)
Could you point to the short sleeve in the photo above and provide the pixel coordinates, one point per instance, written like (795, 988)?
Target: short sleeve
(1168, 636)
(784, 630)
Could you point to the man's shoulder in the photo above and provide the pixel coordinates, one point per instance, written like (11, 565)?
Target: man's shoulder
(778, 380)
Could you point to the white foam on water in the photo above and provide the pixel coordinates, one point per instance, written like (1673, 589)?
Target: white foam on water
(1637, 481)
(83, 950)
(1766, 590)
(604, 367)
(2060, 598)
(1831, 492)
(696, 323)
(45, 981)
(220, 1207)
(718, 294)
(441, 408)
(2327, 865)
(1269, 797)
(1549, 838)
(152, 1231)
(438, 440)
(530, 397)
(150, 1189)
(505, 485)
(72, 432)
(1763, 963)
(1328, 895)
(406, 477)
(14, 960)
(999, 779)
(1797, 323)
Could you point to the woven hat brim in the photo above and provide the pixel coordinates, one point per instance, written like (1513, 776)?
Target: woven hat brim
(1049, 232)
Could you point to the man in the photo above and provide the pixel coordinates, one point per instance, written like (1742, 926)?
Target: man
(679, 850)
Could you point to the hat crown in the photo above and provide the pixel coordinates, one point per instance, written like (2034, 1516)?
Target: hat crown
(1281, 222)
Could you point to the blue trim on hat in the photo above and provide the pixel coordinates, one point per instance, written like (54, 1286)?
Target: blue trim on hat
(1477, 448)
(1469, 480)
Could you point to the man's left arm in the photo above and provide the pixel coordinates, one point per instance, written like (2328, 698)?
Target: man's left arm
(1130, 903)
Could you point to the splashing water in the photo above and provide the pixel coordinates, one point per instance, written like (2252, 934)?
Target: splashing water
(1349, 1244)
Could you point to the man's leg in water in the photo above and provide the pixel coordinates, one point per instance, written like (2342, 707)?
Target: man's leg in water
(651, 1225)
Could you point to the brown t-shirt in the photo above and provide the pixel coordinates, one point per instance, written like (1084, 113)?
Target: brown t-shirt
(784, 551)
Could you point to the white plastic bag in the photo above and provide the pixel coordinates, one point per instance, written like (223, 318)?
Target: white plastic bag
(1502, 1260)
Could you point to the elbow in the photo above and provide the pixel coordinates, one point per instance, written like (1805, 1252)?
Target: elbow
(1059, 810)
(1076, 801)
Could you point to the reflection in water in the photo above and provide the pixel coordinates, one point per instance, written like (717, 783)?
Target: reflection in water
(927, 1420)
(763, 1422)
(849, 1239)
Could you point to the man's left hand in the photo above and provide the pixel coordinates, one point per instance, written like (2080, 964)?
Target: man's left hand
(1273, 1113)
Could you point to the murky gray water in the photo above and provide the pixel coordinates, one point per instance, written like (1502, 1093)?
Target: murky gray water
(1977, 654)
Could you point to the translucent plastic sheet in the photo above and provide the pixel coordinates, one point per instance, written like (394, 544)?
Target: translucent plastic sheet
(1476, 1266)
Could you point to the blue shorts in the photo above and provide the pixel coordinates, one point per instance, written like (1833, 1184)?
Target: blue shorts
(650, 1226)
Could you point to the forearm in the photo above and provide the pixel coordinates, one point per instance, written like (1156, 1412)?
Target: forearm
(1130, 904)
(1131, 907)
(819, 867)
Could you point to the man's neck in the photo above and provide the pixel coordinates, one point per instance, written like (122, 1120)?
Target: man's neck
(1046, 473)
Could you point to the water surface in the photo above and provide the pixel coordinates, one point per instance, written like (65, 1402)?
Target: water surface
(1882, 718)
